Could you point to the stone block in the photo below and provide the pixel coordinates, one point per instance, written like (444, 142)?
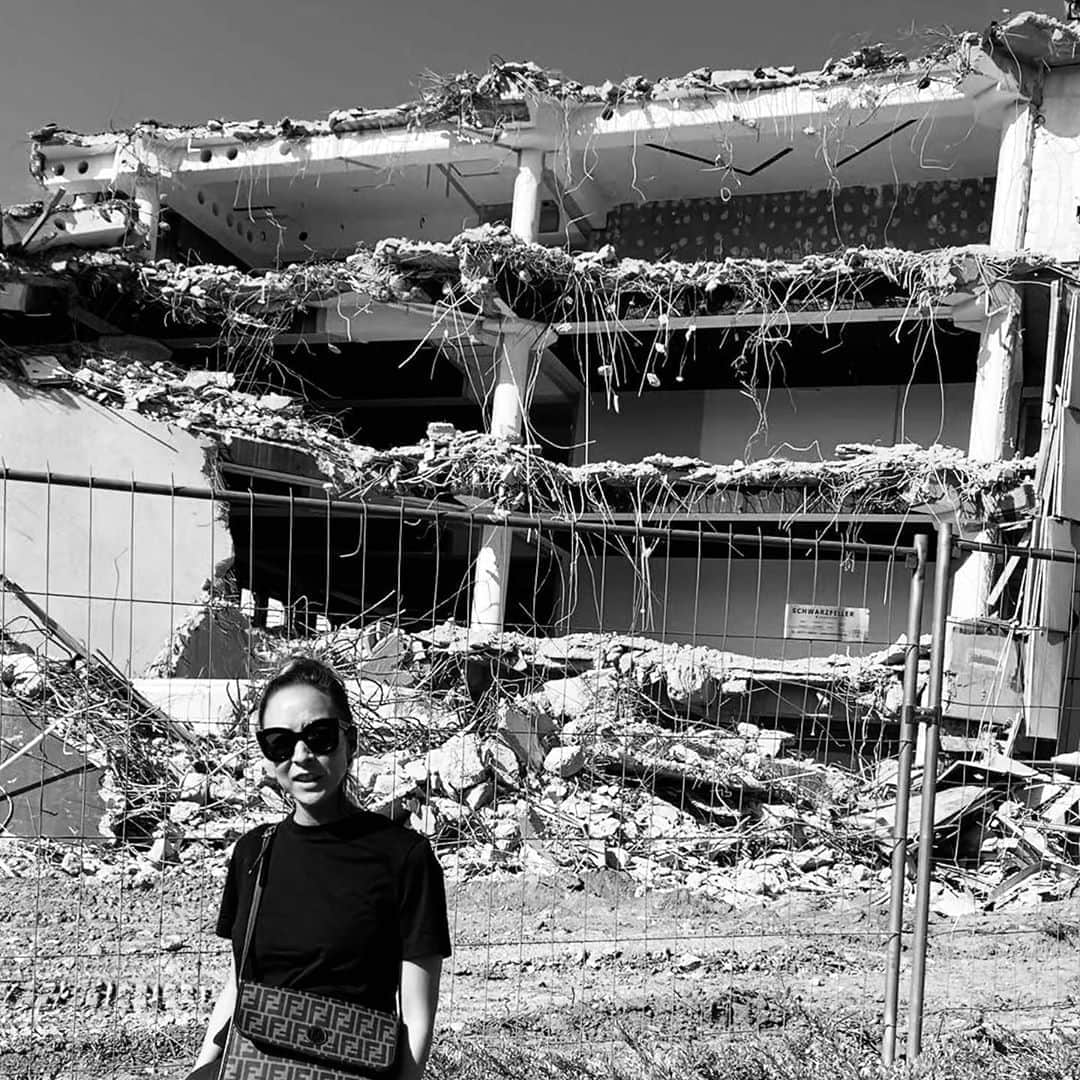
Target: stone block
(195, 787)
(564, 761)
(386, 660)
(479, 796)
(459, 763)
(504, 763)
(528, 731)
(214, 707)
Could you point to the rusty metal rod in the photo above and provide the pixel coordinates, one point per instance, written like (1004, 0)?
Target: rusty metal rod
(932, 718)
(903, 795)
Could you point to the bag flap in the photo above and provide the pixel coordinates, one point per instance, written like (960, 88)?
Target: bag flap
(314, 1026)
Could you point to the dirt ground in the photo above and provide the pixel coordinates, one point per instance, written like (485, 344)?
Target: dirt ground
(116, 977)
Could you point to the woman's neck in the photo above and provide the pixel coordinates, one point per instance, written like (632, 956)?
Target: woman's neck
(323, 813)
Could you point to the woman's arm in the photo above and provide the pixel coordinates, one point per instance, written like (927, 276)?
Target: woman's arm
(419, 1000)
(219, 1016)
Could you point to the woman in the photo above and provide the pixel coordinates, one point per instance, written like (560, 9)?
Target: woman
(353, 906)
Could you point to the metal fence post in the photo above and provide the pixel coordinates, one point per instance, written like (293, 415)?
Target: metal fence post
(917, 563)
(932, 718)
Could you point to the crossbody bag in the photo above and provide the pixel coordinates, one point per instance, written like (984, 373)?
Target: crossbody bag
(282, 1034)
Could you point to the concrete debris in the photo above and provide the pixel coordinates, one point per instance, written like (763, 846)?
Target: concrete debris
(564, 770)
(564, 761)
(528, 731)
(206, 706)
(21, 673)
(474, 271)
(505, 764)
(459, 765)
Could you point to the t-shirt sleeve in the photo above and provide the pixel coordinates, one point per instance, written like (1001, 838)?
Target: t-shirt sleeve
(230, 900)
(243, 857)
(424, 927)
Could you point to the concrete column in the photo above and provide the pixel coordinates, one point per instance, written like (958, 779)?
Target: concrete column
(995, 410)
(1012, 187)
(509, 401)
(525, 216)
(508, 407)
(148, 206)
(995, 415)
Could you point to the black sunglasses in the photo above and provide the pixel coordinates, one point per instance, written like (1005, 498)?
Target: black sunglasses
(320, 737)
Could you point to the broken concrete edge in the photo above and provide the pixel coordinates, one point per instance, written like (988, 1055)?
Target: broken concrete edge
(517, 477)
(210, 640)
(471, 101)
(466, 268)
(574, 799)
(1032, 38)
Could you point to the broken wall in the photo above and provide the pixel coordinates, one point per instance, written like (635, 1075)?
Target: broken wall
(803, 423)
(1052, 222)
(792, 224)
(143, 559)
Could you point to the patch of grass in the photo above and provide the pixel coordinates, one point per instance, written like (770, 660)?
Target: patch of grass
(119, 1054)
(822, 1051)
(818, 1047)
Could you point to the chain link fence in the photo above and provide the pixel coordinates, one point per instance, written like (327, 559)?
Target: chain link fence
(664, 797)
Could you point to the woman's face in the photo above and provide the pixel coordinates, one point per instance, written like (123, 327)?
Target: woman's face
(313, 780)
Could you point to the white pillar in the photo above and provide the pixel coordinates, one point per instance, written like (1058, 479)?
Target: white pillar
(995, 416)
(148, 207)
(1012, 184)
(512, 356)
(995, 409)
(508, 407)
(525, 216)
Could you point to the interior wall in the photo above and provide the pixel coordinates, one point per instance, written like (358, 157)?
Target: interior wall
(791, 224)
(659, 422)
(738, 605)
(142, 559)
(801, 424)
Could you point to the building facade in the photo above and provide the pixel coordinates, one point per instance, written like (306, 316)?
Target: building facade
(664, 303)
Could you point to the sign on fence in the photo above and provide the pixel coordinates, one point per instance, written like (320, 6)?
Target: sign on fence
(820, 622)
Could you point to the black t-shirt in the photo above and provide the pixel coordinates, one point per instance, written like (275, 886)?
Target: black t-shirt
(343, 905)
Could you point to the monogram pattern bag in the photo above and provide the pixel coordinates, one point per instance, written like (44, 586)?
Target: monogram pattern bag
(283, 1034)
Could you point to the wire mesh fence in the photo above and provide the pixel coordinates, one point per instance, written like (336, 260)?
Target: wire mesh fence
(663, 796)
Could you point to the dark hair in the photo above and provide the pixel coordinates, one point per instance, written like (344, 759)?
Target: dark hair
(307, 671)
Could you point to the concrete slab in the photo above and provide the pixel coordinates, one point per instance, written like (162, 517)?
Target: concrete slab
(206, 706)
(51, 791)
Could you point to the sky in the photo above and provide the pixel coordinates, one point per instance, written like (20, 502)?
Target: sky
(111, 63)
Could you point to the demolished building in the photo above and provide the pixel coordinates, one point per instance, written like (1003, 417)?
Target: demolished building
(655, 362)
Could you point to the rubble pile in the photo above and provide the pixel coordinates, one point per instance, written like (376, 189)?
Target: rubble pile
(97, 715)
(1005, 832)
(210, 402)
(563, 755)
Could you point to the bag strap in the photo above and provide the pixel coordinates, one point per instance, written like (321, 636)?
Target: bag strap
(258, 868)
